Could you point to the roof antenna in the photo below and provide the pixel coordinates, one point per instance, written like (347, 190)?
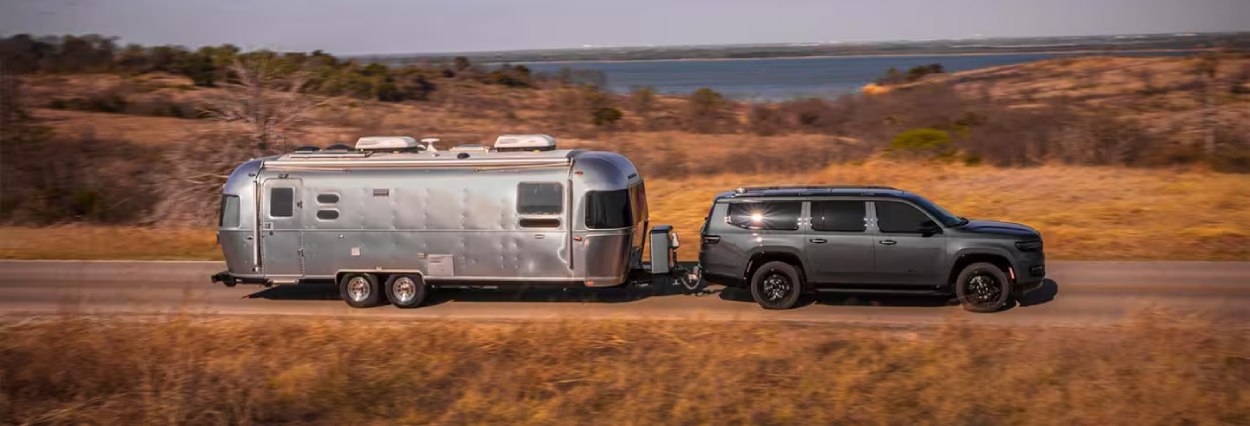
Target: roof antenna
(429, 144)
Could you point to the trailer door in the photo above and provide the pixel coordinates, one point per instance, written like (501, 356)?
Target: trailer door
(281, 245)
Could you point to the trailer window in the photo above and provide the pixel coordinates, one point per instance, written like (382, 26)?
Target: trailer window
(540, 198)
(327, 214)
(776, 216)
(609, 209)
(638, 195)
(327, 198)
(281, 202)
(540, 222)
(229, 212)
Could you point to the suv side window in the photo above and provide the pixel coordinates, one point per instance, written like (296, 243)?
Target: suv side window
(899, 217)
(839, 216)
(772, 216)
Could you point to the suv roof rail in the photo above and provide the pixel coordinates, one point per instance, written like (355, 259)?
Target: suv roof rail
(745, 189)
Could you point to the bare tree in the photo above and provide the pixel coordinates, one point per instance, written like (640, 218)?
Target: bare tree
(1207, 68)
(271, 103)
(259, 112)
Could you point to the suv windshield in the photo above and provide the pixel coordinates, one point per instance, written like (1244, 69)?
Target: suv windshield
(937, 211)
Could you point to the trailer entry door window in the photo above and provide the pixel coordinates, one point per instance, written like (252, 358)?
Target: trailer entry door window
(540, 198)
(609, 209)
(229, 212)
(281, 202)
(771, 216)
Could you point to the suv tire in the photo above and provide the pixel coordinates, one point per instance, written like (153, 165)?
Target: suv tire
(776, 285)
(983, 287)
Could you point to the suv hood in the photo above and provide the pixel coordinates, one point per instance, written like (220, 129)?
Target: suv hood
(1000, 228)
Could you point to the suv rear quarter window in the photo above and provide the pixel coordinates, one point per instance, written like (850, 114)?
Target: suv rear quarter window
(770, 216)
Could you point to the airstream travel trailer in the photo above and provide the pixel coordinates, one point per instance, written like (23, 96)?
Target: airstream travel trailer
(391, 218)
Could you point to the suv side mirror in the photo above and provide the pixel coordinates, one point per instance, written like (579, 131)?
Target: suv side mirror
(929, 228)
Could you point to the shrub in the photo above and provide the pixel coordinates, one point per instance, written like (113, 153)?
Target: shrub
(606, 116)
(930, 142)
(707, 111)
(765, 120)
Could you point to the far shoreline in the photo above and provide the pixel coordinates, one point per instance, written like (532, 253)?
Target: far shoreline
(867, 55)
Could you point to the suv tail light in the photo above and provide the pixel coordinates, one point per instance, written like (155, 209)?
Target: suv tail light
(1035, 245)
(711, 239)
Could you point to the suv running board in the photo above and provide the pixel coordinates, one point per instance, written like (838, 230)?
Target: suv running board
(909, 292)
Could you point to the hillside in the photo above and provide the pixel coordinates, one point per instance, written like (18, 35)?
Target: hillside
(1162, 93)
(1081, 120)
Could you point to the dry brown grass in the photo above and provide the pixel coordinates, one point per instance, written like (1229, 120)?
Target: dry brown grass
(108, 242)
(1083, 212)
(1156, 369)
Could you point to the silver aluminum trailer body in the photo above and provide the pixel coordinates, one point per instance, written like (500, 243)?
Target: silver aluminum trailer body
(568, 216)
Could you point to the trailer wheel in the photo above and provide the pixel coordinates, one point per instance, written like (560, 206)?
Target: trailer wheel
(360, 290)
(406, 291)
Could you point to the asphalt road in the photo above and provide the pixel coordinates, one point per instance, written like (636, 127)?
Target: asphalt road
(1076, 294)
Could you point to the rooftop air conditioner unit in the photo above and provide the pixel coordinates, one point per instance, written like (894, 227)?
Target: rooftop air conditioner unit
(536, 142)
(387, 143)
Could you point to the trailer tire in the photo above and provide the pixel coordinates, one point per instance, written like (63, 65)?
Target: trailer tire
(360, 290)
(406, 291)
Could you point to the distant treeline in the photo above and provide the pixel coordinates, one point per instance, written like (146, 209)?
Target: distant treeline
(209, 66)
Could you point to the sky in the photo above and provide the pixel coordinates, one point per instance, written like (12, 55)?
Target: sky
(428, 26)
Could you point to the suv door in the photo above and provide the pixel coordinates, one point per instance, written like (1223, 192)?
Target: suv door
(838, 246)
(910, 248)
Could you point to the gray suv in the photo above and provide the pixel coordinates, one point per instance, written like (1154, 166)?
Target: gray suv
(783, 242)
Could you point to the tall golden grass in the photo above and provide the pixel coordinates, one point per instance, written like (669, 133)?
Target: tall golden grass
(1158, 368)
(1082, 212)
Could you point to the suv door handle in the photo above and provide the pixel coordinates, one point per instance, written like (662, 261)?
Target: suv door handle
(888, 242)
(818, 240)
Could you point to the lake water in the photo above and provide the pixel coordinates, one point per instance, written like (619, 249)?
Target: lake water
(780, 79)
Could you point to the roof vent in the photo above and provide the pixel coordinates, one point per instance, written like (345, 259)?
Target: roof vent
(469, 148)
(536, 142)
(386, 143)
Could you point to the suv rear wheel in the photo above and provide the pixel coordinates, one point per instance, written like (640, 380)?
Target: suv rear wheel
(776, 285)
(983, 287)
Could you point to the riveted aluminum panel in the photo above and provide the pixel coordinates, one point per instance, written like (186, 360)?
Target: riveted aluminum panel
(399, 211)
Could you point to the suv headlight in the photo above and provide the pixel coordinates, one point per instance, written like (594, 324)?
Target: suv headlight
(1034, 245)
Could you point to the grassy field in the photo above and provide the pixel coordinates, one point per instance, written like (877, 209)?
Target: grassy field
(1155, 369)
(1083, 212)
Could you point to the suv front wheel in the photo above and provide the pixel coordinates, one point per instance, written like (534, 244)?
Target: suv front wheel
(776, 285)
(983, 287)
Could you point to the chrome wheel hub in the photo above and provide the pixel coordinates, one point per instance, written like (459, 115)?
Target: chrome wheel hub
(358, 289)
(405, 289)
(776, 287)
